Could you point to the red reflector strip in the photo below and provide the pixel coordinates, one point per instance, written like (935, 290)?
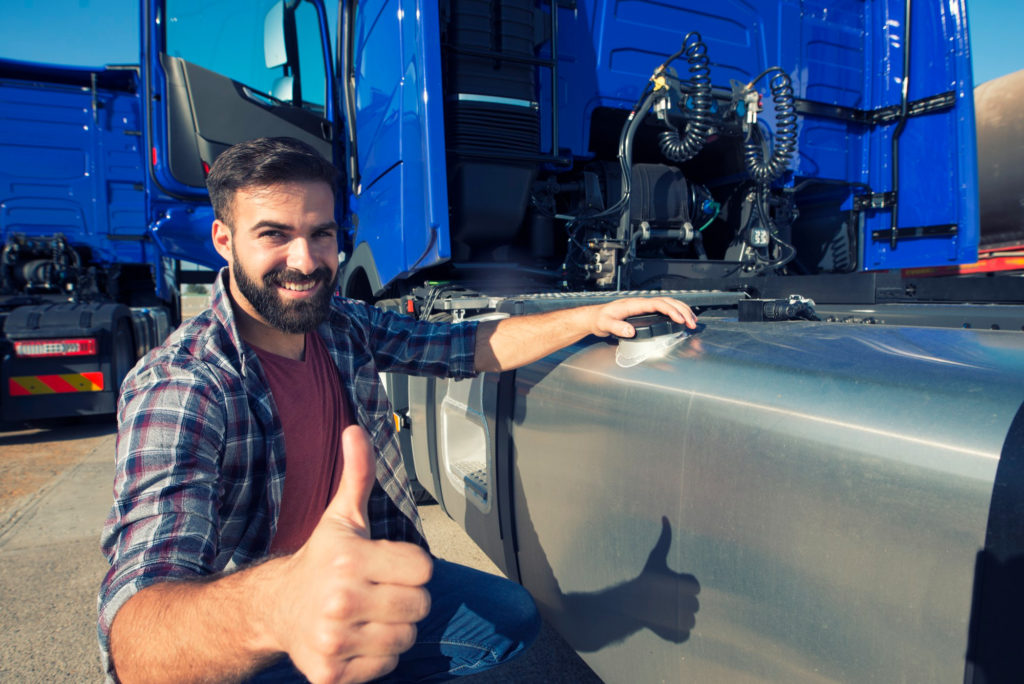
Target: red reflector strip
(986, 265)
(63, 383)
(41, 348)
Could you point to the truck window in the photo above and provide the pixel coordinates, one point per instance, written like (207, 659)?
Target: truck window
(237, 38)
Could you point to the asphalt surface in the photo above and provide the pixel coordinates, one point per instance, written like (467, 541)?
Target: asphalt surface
(55, 495)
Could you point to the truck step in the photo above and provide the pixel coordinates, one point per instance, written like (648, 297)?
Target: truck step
(475, 475)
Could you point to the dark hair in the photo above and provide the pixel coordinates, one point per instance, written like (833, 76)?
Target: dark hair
(263, 162)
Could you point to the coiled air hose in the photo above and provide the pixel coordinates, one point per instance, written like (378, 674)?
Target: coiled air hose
(681, 148)
(761, 170)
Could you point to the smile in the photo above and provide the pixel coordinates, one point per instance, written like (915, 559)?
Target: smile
(300, 287)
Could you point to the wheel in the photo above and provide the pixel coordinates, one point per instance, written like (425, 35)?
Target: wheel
(123, 356)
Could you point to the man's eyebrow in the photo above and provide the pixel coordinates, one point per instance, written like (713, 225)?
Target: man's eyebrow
(270, 224)
(275, 225)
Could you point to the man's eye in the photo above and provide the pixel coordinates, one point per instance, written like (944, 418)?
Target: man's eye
(271, 234)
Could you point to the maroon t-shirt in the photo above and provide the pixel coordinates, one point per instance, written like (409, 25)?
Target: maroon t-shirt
(313, 413)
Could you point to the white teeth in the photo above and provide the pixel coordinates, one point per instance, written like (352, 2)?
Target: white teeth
(299, 287)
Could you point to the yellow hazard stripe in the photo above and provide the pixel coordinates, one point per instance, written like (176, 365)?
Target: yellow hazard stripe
(62, 383)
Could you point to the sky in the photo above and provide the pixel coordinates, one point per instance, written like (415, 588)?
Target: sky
(96, 32)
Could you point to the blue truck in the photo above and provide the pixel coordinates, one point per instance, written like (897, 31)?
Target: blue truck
(825, 482)
(84, 288)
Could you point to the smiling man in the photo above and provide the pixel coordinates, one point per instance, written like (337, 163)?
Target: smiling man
(228, 566)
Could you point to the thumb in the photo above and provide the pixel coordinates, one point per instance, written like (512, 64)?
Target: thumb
(358, 474)
(624, 329)
(614, 325)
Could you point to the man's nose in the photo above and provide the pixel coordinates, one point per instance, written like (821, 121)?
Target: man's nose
(300, 256)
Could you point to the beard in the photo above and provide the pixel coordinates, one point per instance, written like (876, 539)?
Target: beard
(290, 317)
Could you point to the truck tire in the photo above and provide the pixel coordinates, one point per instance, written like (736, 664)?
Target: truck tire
(122, 356)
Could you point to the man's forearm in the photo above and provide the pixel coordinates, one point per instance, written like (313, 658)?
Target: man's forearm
(205, 630)
(520, 340)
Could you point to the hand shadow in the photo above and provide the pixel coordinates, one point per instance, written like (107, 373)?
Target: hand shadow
(659, 599)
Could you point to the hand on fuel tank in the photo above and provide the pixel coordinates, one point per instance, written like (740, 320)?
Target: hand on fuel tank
(609, 319)
(348, 606)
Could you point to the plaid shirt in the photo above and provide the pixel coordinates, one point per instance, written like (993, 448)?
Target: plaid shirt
(200, 461)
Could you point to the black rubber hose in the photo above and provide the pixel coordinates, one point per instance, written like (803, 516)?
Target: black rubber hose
(785, 131)
(626, 161)
(682, 148)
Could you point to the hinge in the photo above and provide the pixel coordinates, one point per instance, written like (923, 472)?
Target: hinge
(874, 200)
(942, 230)
(877, 117)
(935, 103)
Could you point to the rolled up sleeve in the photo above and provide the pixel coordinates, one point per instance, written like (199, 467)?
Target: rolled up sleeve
(406, 345)
(163, 523)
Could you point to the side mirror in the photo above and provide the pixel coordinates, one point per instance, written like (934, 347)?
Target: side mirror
(274, 52)
(284, 89)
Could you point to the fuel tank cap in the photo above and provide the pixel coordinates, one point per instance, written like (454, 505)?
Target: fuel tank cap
(653, 325)
(656, 335)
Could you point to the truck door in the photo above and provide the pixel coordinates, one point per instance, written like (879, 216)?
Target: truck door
(921, 156)
(218, 73)
(390, 63)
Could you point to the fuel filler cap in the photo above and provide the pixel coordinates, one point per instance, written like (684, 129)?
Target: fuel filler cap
(656, 335)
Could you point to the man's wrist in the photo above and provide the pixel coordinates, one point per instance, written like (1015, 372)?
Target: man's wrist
(265, 591)
(591, 320)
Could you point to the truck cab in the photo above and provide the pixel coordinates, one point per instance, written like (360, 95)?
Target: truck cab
(477, 140)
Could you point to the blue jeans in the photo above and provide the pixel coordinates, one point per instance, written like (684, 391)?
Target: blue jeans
(476, 621)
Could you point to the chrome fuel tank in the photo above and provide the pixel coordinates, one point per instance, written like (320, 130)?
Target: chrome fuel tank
(786, 502)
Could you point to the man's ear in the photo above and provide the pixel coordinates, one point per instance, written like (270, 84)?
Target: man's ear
(221, 234)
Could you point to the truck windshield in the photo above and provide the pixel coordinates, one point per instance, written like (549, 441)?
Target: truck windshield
(272, 46)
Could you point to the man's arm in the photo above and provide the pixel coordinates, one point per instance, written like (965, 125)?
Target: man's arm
(521, 340)
(342, 607)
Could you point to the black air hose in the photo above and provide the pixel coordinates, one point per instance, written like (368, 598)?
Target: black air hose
(626, 161)
(7, 267)
(785, 131)
(681, 148)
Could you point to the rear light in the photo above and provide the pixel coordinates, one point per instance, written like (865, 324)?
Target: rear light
(41, 348)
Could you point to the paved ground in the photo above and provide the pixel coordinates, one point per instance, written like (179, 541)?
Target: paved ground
(54, 494)
(56, 489)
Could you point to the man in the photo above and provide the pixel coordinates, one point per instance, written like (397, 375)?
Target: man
(224, 568)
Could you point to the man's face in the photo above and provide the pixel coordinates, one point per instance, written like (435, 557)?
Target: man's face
(283, 251)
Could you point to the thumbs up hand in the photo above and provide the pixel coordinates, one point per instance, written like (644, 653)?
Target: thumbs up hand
(348, 507)
(347, 606)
